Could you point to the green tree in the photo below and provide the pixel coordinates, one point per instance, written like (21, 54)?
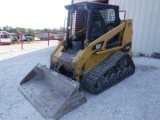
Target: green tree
(55, 31)
(17, 30)
(24, 30)
(30, 30)
(12, 30)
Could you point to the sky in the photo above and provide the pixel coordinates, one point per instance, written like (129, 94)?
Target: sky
(36, 14)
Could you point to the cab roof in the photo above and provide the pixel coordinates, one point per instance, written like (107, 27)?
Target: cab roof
(91, 5)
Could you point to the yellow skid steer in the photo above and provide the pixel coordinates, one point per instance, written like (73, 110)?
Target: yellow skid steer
(95, 55)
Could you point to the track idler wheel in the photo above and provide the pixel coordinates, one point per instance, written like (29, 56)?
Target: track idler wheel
(98, 87)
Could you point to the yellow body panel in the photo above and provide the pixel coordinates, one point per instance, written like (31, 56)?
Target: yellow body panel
(88, 58)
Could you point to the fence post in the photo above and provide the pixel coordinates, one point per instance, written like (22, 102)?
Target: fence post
(21, 41)
(48, 38)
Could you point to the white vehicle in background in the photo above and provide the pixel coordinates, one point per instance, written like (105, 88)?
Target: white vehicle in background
(5, 37)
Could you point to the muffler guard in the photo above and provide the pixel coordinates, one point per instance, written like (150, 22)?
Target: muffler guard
(52, 93)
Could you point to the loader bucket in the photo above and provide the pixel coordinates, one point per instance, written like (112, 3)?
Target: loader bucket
(51, 93)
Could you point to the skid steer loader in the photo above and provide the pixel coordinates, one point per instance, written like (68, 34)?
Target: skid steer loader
(95, 55)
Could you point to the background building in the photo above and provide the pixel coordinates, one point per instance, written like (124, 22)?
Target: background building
(146, 26)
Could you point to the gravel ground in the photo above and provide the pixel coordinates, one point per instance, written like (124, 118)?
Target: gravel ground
(136, 98)
(9, 51)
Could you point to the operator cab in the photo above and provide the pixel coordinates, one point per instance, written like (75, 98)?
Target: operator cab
(88, 21)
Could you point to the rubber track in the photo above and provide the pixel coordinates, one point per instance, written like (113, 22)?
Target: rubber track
(90, 79)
